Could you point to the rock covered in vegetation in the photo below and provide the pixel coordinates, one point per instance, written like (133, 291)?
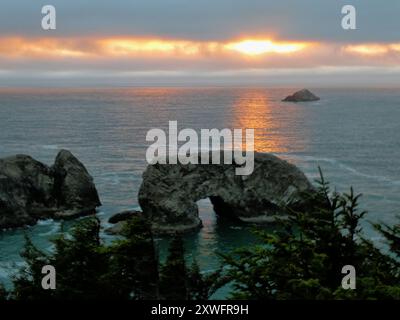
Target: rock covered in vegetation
(30, 190)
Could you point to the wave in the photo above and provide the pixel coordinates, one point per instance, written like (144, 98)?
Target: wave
(345, 167)
(50, 147)
(56, 227)
(117, 178)
(46, 222)
(9, 268)
(370, 176)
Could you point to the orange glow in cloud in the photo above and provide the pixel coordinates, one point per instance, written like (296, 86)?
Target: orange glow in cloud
(247, 47)
(259, 47)
(138, 47)
(369, 50)
(241, 53)
(372, 49)
(130, 46)
(19, 47)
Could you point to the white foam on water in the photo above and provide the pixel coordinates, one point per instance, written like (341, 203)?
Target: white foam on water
(10, 268)
(345, 167)
(311, 158)
(4, 271)
(45, 222)
(54, 230)
(369, 176)
(50, 248)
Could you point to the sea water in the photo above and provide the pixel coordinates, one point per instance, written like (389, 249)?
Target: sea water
(352, 134)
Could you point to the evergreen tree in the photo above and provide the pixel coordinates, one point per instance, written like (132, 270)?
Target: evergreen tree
(304, 257)
(3, 293)
(80, 265)
(301, 259)
(173, 276)
(134, 262)
(27, 283)
(87, 269)
(392, 235)
(178, 282)
(200, 286)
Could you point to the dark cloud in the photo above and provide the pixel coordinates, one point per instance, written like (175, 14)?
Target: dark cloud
(206, 19)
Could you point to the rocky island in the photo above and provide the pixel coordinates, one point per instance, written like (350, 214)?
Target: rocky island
(169, 192)
(30, 190)
(302, 96)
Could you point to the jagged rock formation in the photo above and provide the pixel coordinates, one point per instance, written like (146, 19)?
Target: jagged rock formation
(30, 190)
(169, 192)
(302, 96)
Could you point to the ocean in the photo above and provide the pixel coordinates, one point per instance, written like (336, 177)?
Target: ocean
(352, 134)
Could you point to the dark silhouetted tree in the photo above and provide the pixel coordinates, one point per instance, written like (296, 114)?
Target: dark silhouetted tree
(173, 274)
(304, 256)
(3, 293)
(134, 262)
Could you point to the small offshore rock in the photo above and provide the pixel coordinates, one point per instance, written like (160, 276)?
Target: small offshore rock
(302, 96)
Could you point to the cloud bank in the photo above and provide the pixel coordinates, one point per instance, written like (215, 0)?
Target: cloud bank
(180, 41)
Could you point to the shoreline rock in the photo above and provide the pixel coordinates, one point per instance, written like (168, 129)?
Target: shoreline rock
(119, 219)
(302, 96)
(124, 215)
(31, 190)
(169, 193)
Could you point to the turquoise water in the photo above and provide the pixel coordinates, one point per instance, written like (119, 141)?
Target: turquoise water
(353, 134)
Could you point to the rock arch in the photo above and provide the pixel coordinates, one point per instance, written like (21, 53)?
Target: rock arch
(169, 192)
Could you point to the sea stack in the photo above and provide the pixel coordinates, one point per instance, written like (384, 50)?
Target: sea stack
(31, 190)
(304, 95)
(169, 192)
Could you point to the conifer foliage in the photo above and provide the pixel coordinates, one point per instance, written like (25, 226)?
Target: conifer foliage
(303, 258)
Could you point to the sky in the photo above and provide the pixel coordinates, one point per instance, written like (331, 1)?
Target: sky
(185, 42)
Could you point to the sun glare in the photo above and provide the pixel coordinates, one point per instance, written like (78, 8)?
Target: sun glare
(259, 47)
